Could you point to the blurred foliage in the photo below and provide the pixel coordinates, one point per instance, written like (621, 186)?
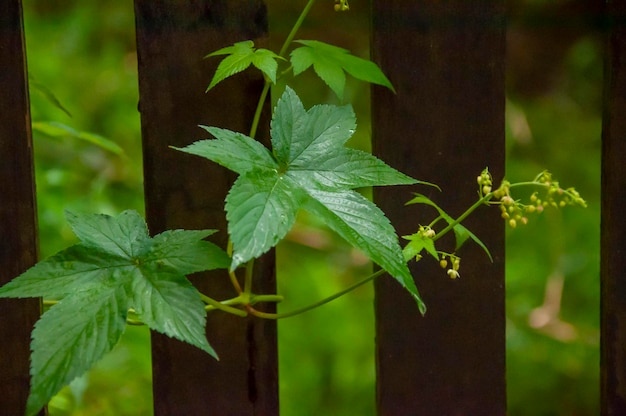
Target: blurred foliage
(84, 53)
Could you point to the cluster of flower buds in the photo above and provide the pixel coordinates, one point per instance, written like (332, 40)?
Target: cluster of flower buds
(515, 212)
(555, 196)
(453, 272)
(341, 5)
(484, 182)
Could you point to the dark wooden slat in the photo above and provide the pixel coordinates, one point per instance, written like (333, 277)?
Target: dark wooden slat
(183, 191)
(446, 123)
(18, 225)
(613, 228)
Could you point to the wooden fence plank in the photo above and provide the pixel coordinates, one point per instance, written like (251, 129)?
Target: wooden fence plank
(446, 123)
(613, 224)
(183, 191)
(18, 225)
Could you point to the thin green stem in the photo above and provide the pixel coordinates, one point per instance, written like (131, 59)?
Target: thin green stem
(319, 303)
(295, 28)
(247, 284)
(234, 281)
(259, 108)
(462, 217)
(265, 298)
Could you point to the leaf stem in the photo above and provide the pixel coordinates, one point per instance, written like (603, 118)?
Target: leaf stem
(462, 217)
(265, 298)
(234, 281)
(295, 28)
(259, 109)
(247, 284)
(319, 303)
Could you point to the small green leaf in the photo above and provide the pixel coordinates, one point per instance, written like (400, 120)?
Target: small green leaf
(418, 243)
(265, 60)
(115, 267)
(48, 95)
(56, 129)
(329, 63)
(240, 56)
(461, 232)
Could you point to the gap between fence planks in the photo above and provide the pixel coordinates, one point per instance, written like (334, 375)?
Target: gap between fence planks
(444, 125)
(184, 191)
(18, 223)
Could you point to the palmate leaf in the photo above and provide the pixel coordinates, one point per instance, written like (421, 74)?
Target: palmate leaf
(329, 63)
(115, 267)
(309, 168)
(240, 56)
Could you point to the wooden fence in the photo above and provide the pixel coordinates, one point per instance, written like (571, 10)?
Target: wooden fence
(450, 83)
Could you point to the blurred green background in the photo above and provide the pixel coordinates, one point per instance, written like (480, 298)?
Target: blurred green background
(84, 52)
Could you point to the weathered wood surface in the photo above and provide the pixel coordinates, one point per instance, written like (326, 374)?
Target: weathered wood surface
(444, 125)
(613, 228)
(18, 225)
(184, 191)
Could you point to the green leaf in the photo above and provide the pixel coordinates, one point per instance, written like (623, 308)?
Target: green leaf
(48, 95)
(71, 337)
(417, 243)
(168, 303)
(115, 267)
(261, 208)
(309, 168)
(461, 233)
(240, 56)
(234, 151)
(329, 63)
(365, 226)
(56, 129)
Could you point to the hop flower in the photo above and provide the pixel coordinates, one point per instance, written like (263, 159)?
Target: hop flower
(515, 212)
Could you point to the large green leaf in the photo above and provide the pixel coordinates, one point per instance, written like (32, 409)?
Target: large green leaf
(309, 168)
(366, 227)
(115, 267)
(71, 337)
(329, 63)
(240, 56)
(261, 207)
